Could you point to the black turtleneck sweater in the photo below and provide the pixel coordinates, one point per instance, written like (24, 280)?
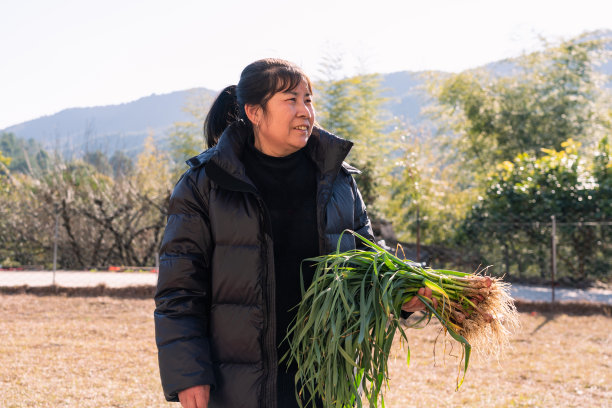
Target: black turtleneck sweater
(288, 188)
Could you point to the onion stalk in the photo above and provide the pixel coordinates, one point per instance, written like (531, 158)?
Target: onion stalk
(342, 335)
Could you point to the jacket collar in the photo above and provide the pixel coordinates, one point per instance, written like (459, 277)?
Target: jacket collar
(328, 151)
(325, 149)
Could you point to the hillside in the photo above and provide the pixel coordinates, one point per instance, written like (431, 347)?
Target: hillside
(109, 128)
(124, 127)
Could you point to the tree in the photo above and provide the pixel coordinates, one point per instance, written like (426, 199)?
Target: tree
(4, 198)
(99, 161)
(602, 171)
(352, 108)
(102, 221)
(526, 192)
(187, 138)
(121, 164)
(152, 173)
(334, 100)
(4, 161)
(550, 97)
(26, 156)
(420, 187)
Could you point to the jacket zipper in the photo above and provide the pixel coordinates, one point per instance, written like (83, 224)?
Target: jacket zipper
(270, 360)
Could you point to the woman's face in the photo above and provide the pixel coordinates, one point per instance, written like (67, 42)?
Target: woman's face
(287, 123)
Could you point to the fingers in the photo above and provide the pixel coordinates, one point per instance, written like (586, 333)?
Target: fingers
(425, 292)
(428, 293)
(195, 397)
(415, 304)
(412, 305)
(187, 400)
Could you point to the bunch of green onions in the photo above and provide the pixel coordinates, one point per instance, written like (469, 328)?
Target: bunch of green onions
(345, 324)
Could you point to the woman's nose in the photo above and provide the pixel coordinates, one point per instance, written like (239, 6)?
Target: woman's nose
(303, 111)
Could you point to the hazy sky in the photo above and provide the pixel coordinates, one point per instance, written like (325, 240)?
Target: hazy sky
(61, 53)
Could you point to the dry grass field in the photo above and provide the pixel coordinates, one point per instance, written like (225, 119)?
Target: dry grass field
(58, 351)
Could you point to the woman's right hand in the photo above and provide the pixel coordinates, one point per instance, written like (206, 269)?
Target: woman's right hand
(195, 397)
(415, 304)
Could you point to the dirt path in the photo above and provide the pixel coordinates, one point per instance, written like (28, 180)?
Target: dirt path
(544, 294)
(76, 278)
(124, 279)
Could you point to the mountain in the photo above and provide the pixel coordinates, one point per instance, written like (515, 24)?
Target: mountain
(108, 128)
(405, 94)
(125, 126)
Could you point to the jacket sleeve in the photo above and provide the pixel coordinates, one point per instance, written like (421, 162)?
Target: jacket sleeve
(362, 224)
(182, 298)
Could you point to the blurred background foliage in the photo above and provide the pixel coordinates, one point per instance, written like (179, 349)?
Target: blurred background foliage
(507, 151)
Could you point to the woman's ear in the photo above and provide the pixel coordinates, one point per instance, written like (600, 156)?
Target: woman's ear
(254, 113)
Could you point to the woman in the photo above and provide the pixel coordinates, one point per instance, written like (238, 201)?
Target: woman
(271, 190)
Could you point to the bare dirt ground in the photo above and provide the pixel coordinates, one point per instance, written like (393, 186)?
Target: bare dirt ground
(556, 360)
(60, 351)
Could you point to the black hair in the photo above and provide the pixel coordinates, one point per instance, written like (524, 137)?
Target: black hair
(259, 81)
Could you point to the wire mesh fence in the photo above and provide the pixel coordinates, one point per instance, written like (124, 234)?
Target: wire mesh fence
(547, 252)
(563, 251)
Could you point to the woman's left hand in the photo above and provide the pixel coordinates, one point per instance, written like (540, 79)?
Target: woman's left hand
(415, 304)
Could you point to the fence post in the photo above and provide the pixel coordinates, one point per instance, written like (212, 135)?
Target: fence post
(553, 255)
(55, 241)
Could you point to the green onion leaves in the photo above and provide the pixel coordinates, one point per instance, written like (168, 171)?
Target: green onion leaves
(347, 319)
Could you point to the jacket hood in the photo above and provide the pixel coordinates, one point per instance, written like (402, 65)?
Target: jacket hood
(327, 150)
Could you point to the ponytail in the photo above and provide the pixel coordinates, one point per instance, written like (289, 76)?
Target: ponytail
(222, 113)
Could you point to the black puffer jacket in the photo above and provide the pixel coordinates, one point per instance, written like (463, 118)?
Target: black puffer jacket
(214, 316)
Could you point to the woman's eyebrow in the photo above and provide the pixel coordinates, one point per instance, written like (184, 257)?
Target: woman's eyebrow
(296, 93)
